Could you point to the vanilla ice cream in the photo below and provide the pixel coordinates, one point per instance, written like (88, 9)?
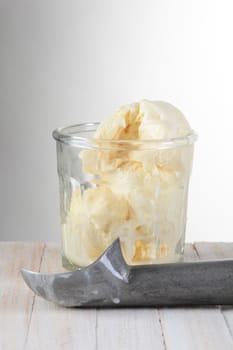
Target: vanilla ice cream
(136, 190)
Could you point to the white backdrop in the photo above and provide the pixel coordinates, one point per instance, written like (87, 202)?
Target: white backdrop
(63, 62)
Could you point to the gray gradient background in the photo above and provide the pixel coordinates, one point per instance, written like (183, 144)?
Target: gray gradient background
(63, 62)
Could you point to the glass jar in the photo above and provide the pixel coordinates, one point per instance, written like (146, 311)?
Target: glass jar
(131, 189)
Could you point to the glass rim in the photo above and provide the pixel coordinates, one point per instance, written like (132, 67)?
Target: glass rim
(70, 135)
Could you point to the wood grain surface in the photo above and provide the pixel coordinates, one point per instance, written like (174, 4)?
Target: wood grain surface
(29, 322)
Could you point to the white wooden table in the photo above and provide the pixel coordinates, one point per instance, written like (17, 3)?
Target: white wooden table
(29, 322)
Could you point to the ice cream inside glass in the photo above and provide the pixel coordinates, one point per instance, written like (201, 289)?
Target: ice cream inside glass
(125, 177)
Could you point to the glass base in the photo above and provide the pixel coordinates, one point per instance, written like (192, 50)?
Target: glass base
(66, 264)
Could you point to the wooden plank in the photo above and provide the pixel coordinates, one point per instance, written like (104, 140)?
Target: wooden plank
(195, 328)
(210, 250)
(219, 250)
(54, 327)
(16, 299)
(58, 328)
(126, 329)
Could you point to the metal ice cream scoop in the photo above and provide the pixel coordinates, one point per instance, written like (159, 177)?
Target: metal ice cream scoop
(109, 282)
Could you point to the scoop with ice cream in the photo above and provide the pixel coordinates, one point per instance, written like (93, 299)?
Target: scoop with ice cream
(138, 170)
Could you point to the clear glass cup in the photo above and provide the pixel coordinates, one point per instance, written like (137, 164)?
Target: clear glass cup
(131, 189)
